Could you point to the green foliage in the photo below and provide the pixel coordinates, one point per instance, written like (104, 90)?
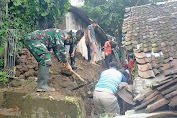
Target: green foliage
(28, 15)
(3, 77)
(135, 71)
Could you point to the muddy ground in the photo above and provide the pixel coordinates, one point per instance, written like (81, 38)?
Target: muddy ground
(64, 84)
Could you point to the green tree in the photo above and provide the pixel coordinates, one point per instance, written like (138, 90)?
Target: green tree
(110, 13)
(28, 15)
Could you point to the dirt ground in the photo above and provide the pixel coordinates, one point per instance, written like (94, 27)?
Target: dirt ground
(64, 84)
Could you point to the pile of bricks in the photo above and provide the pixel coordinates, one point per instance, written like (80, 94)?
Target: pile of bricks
(26, 65)
(161, 96)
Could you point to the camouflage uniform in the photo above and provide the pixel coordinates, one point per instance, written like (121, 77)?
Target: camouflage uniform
(40, 42)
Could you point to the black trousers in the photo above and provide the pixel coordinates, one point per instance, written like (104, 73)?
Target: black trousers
(72, 58)
(108, 59)
(88, 49)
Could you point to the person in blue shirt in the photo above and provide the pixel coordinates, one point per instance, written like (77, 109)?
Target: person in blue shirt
(104, 94)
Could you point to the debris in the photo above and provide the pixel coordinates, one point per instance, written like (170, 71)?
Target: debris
(164, 94)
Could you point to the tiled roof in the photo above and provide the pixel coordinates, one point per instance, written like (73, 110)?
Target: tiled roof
(150, 32)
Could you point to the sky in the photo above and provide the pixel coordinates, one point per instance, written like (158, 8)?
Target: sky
(77, 3)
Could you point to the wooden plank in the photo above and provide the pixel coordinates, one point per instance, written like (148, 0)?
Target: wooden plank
(117, 58)
(170, 89)
(172, 94)
(150, 96)
(143, 105)
(167, 84)
(173, 102)
(141, 98)
(171, 73)
(156, 105)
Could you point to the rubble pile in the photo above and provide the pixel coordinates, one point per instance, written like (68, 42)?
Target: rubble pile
(149, 33)
(161, 96)
(26, 65)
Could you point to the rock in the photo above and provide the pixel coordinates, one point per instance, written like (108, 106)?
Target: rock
(18, 82)
(18, 67)
(24, 56)
(25, 69)
(18, 74)
(30, 73)
(32, 78)
(31, 66)
(22, 77)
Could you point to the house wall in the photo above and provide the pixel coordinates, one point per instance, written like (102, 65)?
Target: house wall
(75, 23)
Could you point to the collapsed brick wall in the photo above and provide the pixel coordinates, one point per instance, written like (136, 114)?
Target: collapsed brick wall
(26, 64)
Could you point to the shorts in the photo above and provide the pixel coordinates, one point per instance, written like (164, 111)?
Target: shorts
(93, 47)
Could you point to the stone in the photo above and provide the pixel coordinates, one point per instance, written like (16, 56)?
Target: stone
(1, 99)
(29, 73)
(22, 77)
(18, 67)
(18, 74)
(18, 82)
(32, 78)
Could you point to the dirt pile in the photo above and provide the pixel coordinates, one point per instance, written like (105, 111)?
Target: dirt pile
(64, 85)
(26, 65)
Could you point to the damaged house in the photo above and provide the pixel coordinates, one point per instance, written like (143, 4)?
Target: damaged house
(150, 35)
(76, 19)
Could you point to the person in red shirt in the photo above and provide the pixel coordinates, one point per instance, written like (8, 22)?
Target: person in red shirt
(130, 66)
(107, 51)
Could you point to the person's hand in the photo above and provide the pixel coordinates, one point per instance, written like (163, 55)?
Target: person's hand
(106, 54)
(68, 66)
(72, 55)
(63, 64)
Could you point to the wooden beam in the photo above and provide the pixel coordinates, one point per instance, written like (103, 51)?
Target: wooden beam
(172, 94)
(143, 105)
(173, 102)
(167, 84)
(117, 58)
(150, 96)
(156, 105)
(170, 89)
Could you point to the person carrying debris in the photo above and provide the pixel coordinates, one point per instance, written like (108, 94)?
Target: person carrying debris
(108, 52)
(92, 40)
(39, 43)
(104, 94)
(71, 44)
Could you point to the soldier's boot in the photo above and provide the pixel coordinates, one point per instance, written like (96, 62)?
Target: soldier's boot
(73, 64)
(43, 78)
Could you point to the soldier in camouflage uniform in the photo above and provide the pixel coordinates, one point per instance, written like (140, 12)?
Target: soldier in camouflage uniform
(71, 44)
(39, 43)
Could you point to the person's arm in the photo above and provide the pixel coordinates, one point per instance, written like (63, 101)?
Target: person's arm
(123, 78)
(89, 36)
(59, 51)
(105, 48)
(74, 49)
